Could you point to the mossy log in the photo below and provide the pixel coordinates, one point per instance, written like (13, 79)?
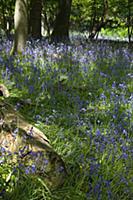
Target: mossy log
(29, 146)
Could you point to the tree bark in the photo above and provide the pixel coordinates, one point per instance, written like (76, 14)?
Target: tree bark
(35, 19)
(97, 26)
(3, 15)
(61, 28)
(21, 26)
(129, 22)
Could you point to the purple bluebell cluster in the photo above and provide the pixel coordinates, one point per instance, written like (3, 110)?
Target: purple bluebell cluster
(86, 88)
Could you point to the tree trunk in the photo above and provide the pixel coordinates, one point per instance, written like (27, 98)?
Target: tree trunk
(93, 18)
(35, 18)
(97, 26)
(129, 22)
(47, 24)
(3, 15)
(61, 28)
(21, 26)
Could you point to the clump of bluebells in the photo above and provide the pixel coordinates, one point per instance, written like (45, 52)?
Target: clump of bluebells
(11, 172)
(81, 96)
(8, 172)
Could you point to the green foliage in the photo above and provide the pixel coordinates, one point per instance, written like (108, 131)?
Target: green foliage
(120, 33)
(82, 15)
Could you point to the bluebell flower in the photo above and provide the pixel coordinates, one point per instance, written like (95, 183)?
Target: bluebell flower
(124, 155)
(103, 96)
(122, 85)
(1, 159)
(103, 74)
(125, 132)
(33, 168)
(27, 170)
(98, 133)
(45, 161)
(2, 150)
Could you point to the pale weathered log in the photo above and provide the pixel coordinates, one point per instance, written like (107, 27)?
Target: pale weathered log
(29, 146)
(4, 91)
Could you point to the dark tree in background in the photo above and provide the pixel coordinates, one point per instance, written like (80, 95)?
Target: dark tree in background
(98, 22)
(3, 14)
(6, 16)
(130, 19)
(35, 19)
(61, 27)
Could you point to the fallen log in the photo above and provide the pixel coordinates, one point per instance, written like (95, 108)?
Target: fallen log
(28, 145)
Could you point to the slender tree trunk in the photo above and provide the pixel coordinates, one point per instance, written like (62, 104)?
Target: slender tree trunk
(35, 18)
(61, 28)
(47, 24)
(3, 15)
(21, 26)
(97, 26)
(129, 22)
(93, 18)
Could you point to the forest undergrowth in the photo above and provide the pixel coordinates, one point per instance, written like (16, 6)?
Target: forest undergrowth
(81, 96)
